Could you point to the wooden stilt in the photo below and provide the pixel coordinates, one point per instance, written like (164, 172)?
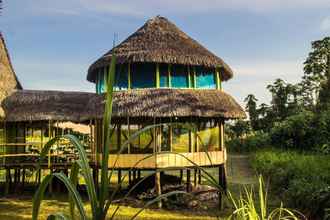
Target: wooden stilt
(134, 176)
(199, 177)
(129, 177)
(181, 176)
(8, 181)
(188, 181)
(222, 183)
(195, 177)
(139, 174)
(23, 179)
(158, 188)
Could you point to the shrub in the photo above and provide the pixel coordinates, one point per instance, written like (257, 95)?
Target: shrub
(301, 180)
(250, 143)
(295, 132)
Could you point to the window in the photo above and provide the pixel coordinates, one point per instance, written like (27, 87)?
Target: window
(179, 77)
(205, 78)
(163, 72)
(180, 139)
(208, 137)
(100, 82)
(121, 77)
(143, 75)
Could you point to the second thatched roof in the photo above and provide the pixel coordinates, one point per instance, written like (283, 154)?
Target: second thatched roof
(29, 105)
(8, 79)
(161, 41)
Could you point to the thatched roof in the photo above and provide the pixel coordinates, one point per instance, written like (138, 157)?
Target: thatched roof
(171, 103)
(161, 41)
(8, 79)
(34, 105)
(28, 105)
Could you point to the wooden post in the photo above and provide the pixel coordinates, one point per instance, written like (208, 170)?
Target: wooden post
(181, 176)
(199, 177)
(195, 177)
(222, 183)
(218, 79)
(139, 174)
(188, 181)
(157, 76)
(129, 76)
(158, 187)
(129, 178)
(222, 143)
(8, 181)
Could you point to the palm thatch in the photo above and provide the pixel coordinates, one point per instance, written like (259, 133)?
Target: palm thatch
(34, 105)
(161, 41)
(8, 79)
(29, 105)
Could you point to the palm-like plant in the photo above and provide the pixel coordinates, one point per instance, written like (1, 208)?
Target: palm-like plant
(100, 203)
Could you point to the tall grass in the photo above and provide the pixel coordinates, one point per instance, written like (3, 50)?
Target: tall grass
(248, 207)
(302, 180)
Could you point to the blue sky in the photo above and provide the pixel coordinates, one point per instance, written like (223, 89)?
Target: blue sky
(52, 43)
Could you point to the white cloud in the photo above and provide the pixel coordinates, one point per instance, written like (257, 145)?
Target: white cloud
(325, 24)
(252, 77)
(151, 7)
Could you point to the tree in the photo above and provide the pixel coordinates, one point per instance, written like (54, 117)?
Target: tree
(317, 70)
(251, 108)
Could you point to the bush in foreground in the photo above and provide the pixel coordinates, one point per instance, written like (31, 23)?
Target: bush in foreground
(301, 180)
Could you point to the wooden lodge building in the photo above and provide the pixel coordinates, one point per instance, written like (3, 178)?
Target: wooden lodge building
(162, 76)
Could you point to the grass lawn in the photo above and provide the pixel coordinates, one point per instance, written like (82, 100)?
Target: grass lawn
(21, 209)
(239, 174)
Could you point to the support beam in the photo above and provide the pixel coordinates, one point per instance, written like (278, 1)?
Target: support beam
(188, 184)
(158, 187)
(222, 183)
(157, 76)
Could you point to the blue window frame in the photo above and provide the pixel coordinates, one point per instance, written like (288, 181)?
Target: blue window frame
(205, 78)
(121, 77)
(163, 72)
(179, 77)
(143, 75)
(100, 82)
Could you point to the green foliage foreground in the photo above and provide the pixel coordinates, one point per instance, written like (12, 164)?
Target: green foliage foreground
(301, 180)
(247, 207)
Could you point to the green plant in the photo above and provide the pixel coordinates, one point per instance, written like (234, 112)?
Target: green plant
(246, 207)
(301, 180)
(100, 203)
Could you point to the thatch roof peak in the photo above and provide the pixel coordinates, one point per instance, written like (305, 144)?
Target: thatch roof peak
(161, 41)
(8, 79)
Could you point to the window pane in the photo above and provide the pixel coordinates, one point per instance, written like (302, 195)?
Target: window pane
(121, 77)
(208, 137)
(165, 143)
(163, 72)
(205, 78)
(144, 144)
(100, 82)
(143, 75)
(180, 139)
(179, 76)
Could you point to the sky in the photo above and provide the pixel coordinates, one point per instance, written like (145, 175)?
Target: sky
(52, 43)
